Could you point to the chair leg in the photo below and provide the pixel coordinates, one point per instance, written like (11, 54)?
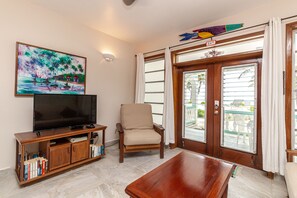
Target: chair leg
(121, 146)
(121, 160)
(161, 150)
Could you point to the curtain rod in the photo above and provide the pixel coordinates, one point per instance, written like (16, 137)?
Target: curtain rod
(178, 45)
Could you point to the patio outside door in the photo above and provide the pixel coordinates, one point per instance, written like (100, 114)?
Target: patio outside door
(220, 111)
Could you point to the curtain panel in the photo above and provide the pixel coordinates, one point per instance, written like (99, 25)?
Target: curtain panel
(168, 110)
(273, 111)
(140, 79)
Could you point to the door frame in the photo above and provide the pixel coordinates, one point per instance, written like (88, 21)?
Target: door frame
(179, 68)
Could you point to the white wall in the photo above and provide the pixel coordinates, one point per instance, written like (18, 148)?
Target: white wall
(112, 82)
(250, 17)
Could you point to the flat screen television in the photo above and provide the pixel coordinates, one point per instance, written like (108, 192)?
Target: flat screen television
(60, 110)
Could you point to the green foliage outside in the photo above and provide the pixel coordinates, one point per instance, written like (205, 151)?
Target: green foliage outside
(200, 113)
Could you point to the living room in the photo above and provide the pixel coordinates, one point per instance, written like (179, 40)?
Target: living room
(115, 40)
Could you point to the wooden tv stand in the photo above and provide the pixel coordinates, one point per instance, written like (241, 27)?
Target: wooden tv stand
(59, 152)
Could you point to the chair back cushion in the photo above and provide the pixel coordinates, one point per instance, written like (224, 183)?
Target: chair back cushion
(136, 116)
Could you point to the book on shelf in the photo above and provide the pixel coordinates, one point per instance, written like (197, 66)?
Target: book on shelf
(96, 150)
(35, 167)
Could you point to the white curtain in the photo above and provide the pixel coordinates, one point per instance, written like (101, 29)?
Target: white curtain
(140, 80)
(168, 110)
(273, 116)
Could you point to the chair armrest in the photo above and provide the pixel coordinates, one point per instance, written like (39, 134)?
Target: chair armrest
(159, 129)
(119, 128)
(291, 154)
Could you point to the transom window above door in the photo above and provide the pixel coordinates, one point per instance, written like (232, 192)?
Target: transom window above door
(234, 47)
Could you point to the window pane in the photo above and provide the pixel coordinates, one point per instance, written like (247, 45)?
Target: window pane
(154, 87)
(238, 109)
(195, 105)
(244, 46)
(154, 65)
(157, 108)
(157, 119)
(155, 76)
(154, 98)
(151, 87)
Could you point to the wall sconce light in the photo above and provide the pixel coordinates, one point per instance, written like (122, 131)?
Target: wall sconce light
(108, 57)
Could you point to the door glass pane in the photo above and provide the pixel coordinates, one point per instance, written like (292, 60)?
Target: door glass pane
(194, 99)
(238, 128)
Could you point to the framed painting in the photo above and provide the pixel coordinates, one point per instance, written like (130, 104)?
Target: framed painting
(45, 71)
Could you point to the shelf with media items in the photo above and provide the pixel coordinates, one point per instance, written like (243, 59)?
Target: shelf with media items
(56, 150)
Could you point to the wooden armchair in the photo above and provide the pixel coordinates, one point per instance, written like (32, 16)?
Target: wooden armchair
(137, 130)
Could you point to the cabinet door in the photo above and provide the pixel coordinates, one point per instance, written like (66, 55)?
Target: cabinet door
(59, 156)
(80, 151)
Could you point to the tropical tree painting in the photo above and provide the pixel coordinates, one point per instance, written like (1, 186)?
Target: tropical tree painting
(45, 71)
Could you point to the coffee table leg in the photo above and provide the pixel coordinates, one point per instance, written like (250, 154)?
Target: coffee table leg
(225, 195)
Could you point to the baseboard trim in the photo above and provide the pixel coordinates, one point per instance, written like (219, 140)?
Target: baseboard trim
(111, 142)
(2, 169)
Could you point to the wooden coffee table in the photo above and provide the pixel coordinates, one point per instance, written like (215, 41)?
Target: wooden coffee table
(185, 175)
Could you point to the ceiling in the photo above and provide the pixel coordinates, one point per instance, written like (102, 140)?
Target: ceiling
(146, 19)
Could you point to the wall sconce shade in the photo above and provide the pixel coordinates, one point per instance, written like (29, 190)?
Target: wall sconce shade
(108, 57)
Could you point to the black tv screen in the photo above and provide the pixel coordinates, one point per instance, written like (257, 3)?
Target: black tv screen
(57, 110)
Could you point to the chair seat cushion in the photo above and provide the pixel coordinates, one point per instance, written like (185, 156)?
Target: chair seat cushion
(141, 136)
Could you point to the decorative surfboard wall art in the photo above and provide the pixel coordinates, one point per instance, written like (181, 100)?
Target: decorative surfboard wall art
(209, 32)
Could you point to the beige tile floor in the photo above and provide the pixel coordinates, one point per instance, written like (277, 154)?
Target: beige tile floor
(107, 178)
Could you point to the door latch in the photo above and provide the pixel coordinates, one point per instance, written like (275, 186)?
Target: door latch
(216, 104)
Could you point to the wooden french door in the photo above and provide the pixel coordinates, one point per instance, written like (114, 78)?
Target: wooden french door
(218, 110)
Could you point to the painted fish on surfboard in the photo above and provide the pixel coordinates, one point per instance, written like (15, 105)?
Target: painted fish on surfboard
(210, 31)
